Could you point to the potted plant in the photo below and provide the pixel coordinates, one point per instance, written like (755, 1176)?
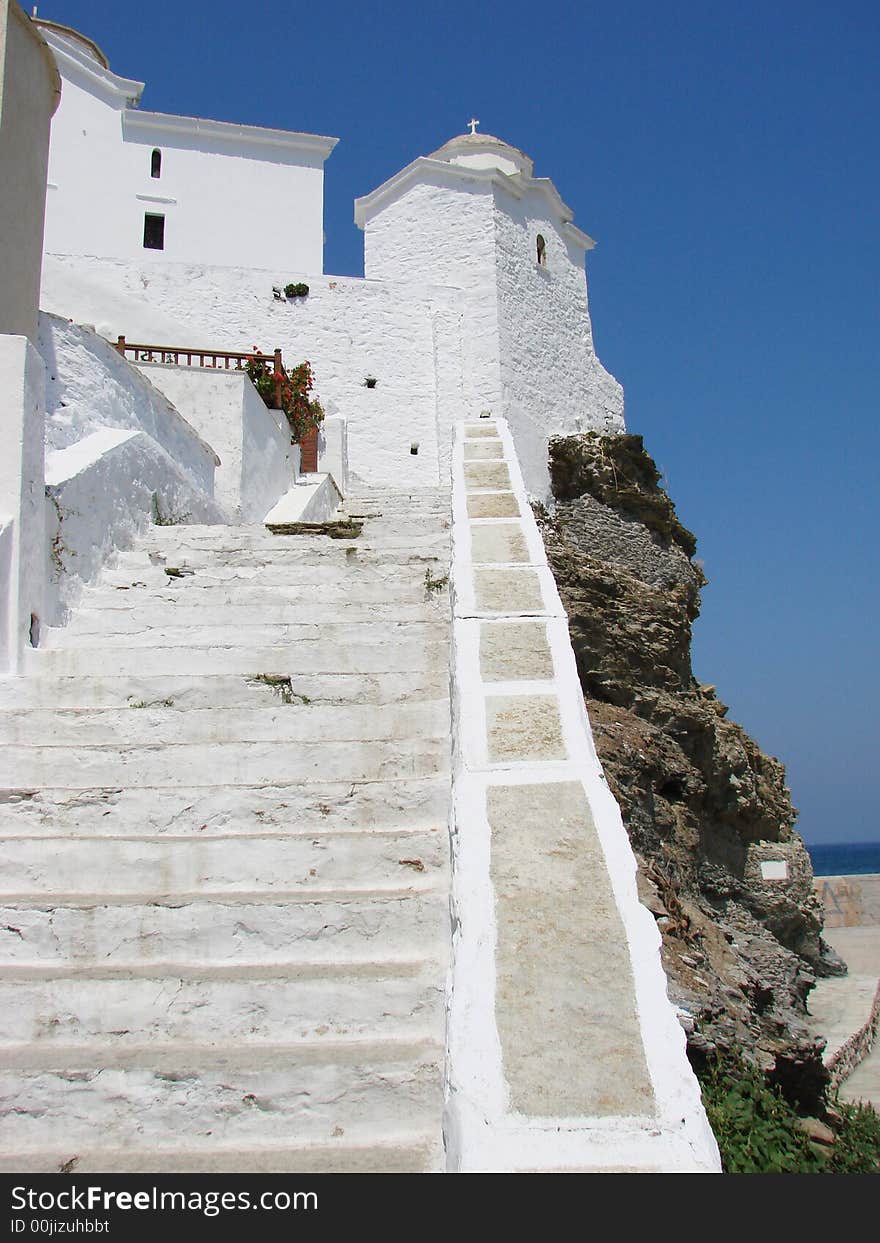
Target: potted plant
(291, 390)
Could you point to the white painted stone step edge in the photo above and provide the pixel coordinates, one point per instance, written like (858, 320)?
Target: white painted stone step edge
(274, 932)
(220, 689)
(365, 1153)
(244, 763)
(295, 722)
(97, 867)
(255, 634)
(67, 1013)
(413, 655)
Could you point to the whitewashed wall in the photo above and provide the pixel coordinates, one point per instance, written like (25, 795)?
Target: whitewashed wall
(442, 234)
(553, 383)
(455, 317)
(22, 504)
(90, 386)
(347, 328)
(101, 493)
(118, 456)
(257, 464)
(526, 338)
(230, 194)
(29, 88)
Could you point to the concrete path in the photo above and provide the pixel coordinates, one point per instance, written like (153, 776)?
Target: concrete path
(224, 933)
(565, 1053)
(841, 1005)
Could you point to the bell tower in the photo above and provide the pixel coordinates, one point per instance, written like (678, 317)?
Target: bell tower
(472, 216)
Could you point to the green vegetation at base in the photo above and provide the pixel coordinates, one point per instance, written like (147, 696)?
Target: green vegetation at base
(758, 1131)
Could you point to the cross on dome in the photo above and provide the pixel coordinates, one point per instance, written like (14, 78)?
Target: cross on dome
(473, 123)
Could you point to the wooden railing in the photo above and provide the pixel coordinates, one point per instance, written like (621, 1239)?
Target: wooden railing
(177, 356)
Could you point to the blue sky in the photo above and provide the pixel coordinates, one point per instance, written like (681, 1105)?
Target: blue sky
(725, 157)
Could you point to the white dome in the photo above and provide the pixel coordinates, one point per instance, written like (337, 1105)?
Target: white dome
(484, 151)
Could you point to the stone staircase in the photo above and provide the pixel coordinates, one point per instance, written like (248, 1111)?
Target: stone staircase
(225, 791)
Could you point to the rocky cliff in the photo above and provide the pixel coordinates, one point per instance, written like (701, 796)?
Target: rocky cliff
(703, 805)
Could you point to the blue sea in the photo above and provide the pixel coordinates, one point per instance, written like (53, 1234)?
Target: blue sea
(845, 859)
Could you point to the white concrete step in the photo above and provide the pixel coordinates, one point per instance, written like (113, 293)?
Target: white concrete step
(246, 971)
(338, 634)
(366, 807)
(198, 592)
(131, 612)
(407, 551)
(185, 1099)
(287, 723)
(410, 496)
(388, 532)
(357, 1151)
(420, 514)
(362, 582)
(65, 1013)
(266, 689)
(174, 937)
(299, 868)
(232, 763)
(318, 656)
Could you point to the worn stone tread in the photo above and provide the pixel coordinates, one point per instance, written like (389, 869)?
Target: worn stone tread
(224, 798)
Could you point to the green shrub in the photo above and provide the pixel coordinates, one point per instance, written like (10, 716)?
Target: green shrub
(857, 1150)
(758, 1131)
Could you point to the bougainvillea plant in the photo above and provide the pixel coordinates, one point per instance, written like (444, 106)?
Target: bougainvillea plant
(291, 390)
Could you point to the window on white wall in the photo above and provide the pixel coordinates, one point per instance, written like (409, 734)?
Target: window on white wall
(156, 163)
(541, 247)
(154, 232)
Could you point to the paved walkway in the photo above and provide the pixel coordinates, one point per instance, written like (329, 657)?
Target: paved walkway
(565, 1053)
(841, 1005)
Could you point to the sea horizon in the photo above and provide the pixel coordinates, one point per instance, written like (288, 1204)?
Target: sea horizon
(844, 858)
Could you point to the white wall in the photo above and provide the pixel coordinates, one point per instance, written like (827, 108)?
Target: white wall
(453, 318)
(347, 328)
(22, 507)
(553, 383)
(118, 457)
(90, 207)
(442, 234)
(230, 194)
(29, 88)
(526, 338)
(257, 464)
(101, 493)
(90, 386)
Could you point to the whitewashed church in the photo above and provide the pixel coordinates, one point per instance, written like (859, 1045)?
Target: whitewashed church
(474, 295)
(310, 861)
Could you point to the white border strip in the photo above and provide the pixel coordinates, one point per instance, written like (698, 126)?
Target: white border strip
(482, 1133)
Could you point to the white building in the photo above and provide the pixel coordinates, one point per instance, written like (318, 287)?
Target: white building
(126, 184)
(474, 217)
(474, 299)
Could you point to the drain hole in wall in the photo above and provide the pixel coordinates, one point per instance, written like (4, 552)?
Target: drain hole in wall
(414, 448)
(34, 633)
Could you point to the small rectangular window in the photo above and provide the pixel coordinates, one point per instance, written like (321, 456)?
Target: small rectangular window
(154, 232)
(156, 163)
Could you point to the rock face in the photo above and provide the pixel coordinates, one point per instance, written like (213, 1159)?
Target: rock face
(703, 805)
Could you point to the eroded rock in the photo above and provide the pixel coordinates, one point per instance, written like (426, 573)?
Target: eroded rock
(704, 806)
